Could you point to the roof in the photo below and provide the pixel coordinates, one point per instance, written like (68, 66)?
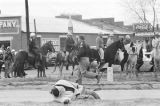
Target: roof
(60, 25)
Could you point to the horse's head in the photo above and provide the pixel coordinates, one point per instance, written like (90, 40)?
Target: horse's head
(48, 47)
(120, 45)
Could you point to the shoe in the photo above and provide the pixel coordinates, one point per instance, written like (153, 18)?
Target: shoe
(66, 101)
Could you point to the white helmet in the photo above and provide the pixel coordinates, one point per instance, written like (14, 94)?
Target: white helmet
(128, 37)
(1, 52)
(12, 50)
(94, 64)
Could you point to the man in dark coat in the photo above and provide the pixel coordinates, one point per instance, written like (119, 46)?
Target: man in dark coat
(69, 44)
(84, 63)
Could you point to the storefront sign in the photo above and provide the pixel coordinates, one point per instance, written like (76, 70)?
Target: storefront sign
(55, 42)
(142, 27)
(9, 26)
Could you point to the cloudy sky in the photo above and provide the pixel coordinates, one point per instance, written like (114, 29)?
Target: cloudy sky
(51, 8)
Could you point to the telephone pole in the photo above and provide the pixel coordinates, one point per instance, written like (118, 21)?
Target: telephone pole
(27, 24)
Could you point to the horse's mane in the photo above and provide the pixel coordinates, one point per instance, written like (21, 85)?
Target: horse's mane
(114, 44)
(47, 46)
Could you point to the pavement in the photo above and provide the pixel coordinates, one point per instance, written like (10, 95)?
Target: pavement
(44, 96)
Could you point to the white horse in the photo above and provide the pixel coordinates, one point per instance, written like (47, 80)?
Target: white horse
(133, 52)
(156, 55)
(132, 60)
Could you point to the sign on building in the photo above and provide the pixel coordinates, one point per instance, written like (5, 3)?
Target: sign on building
(9, 26)
(142, 27)
(55, 42)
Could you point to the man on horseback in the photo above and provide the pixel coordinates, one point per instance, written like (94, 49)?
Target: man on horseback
(100, 46)
(109, 41)
(84, 63)
(127, 41)
(33, 49)
(69, 45)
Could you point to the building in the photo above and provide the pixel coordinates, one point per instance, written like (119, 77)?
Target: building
(13, 30)
(55, 30)
(10, 32)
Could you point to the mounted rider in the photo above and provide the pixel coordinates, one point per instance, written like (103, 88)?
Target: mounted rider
(100, 46)
(109, 40)
(126, 41)
(69, 45)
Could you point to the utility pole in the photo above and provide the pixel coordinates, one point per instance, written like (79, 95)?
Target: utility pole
(35, 30)
(27, 24)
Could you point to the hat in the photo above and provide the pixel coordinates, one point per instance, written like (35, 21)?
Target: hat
(12, 50)
(1, 51)
(69, 33)
(82, 37)
(128, 37)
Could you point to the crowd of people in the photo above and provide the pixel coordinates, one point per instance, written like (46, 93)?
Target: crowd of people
(6, 59)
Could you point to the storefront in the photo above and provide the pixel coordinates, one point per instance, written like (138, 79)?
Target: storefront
(10, 32)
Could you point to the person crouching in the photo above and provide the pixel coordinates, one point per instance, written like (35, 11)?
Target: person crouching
(64, 91)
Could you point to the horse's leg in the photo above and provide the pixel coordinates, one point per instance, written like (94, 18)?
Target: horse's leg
(73, 69)
(38, 71)
(44, 72)
(41, 72)
(0, 70)
(60, 69)
(55, 67)
(67, 66)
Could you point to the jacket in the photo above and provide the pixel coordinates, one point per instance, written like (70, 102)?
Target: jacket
(69, 44)
(99, 42)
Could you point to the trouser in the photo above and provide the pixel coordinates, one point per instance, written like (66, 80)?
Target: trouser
(67, 54)
(8, 64)
(82, 70)
(101, 52)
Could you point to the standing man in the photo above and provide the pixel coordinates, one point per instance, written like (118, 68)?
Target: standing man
(69, 45)
(8, 60)
(154, 44)
(64, 91)
(100, 46)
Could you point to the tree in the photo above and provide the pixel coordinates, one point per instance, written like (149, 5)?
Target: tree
(145, 10)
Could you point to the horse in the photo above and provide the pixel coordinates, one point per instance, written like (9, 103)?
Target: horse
(132, 59)
(59, 61)
(71, 60)
(23, 56)
(111, 50)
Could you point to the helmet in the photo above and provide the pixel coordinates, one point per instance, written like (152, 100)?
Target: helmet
(1, 52)
(128, 37)
(94, 64)
(12, 50)
(69, 33)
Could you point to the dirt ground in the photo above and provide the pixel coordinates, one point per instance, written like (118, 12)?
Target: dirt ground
(144, 81)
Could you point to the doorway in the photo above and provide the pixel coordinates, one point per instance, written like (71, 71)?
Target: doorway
(6, 43)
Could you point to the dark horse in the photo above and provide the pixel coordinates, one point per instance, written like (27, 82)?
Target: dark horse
(110, 52)
(71, 60)
(33, 59)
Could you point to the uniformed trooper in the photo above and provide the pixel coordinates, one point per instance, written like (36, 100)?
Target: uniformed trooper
(100, 46)
(69, 44)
